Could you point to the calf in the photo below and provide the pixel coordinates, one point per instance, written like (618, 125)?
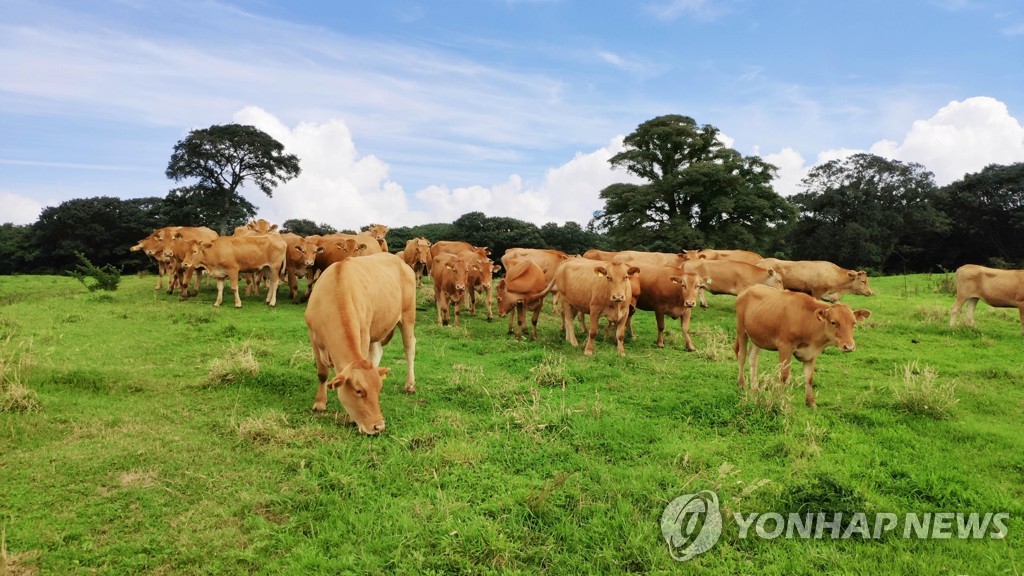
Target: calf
(481, 279)
(601, 289)
(451, 278)
(417, 256)
(669, 291)
(517, 293)
(351, 316)
(300, 261)
(228, 256)
(998, 288)
(794, 324)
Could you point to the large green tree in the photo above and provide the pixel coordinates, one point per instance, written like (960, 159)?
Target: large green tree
(498, 233)
(987, 211)
(221, 159)
(699, 192)
(865, 210)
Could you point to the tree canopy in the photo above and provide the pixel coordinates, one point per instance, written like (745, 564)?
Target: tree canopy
(700, 193)
(865, 210)
(222, 158)
(988, 211)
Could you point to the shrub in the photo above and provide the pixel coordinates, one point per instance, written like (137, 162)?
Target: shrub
(105, 278)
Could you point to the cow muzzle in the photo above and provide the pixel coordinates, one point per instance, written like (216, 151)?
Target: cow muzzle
(848, 347)
(618, 298)
(373, 429)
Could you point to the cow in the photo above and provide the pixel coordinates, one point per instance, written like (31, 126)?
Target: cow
(417, 256)
(517, 294)
(378, 232)
(481, 279)
(229, 256)
(997, 288)
(819, 278)
(669, 291)
(638, 257)
(549, 260)
(731, 255)
(153, 246)
(455, 247)
(451, 278)
(337, 247)
(351, 316)
(252, 228)
(794, 324)
(175, 250)
(300, 261)
(731, 276)
(601, 289)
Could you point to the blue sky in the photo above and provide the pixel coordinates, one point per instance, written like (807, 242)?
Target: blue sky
(412, 112)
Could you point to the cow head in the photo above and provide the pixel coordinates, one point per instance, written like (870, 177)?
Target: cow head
(309, 249)
(859, 283)
(422, 250)
(621, 279)
(459, 270)
(260, 226)
(504, 303)
(378, 231)
(194, 256)
(773, 280)
(359, 385)
(839, 320)
(690, 285)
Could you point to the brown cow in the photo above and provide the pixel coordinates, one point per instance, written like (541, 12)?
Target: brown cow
(153, 246)
(252, 228)
(337, 247)
(549, 260)
(378, 232)
(455, 247)
(517, 293)
(819, 278)
(176, 249)
(998, 288)
(669, 291)
(793, 323)
(729, 255)
(229, 256)
(300, 261)
(731, 277)
(481, 279)
(601, 289)
(351, 316)
(417, 256)
(451, 278)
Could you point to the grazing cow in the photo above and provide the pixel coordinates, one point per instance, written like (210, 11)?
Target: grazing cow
(730, 255)
(819, 278)
(669, 291)
(601, 289)
(153, 246)
(517, 293)
(731, 277)
(351, 316)
(998, 288)
(481, 279)
(451, 278)
(229, 256)
(378, 232)
(300, 261)
(793, 323)
(417, 256)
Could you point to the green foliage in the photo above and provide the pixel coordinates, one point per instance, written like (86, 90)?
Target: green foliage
(304, 227)
(224, 157)
(102, 278)
(16, 252)
(867, 211)
(987, 209)
(700, 193)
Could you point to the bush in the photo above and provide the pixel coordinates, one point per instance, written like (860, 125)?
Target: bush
(105, 278)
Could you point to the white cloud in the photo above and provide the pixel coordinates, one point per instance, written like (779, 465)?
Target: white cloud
(961, 138)
(791, 170)
(19, 209)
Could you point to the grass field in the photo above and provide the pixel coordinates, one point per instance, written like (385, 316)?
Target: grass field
(143, 435)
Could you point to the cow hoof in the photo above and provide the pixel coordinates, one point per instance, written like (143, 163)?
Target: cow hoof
(409, 390)
(238, 305)
(691, 349)
(490, 319)
(703, 305)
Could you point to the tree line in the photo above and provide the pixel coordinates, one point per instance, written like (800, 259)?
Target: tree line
(863, 211)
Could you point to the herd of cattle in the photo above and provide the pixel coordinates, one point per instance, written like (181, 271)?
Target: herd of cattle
(364, 292)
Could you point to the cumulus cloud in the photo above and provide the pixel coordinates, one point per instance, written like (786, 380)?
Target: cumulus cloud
(791, 170)
(19, 209)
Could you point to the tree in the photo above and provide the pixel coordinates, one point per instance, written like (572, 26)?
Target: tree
(223, 158)
(570, 238)
(866, 210)
(304, 227)
(498, 234)
(700, 193)
(987, 212)
(17, 255)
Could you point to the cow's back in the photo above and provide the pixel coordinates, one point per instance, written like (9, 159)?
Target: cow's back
(998, 288)
(369, 292)
(579, 284)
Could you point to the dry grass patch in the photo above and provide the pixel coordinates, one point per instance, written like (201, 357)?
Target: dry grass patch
(16, 564)
(713, 343)
(15, 362)
(238, 362)
(918, 391)
(273, 428)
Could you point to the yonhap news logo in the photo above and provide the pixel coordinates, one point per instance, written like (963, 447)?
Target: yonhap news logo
(692, 524)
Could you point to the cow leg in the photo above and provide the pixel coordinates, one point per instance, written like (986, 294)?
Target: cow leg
(322, 369)
(458, 309)
(809, 382)
(955, 310)
(183, 293)
(376, 352)
(233, 276)
(161, 269)
(272, 284)
(595, 317)
(703, 300)
(220, 291)
(684, 325)
(620, 335)
(520, 318)
(969, 311)
(740, 348)
(409, 345)
(533, 321)
(490, 314)
(753, 353)
(659, 318)
(437, 303)
(569, 324)
(1020, 308)
(785, 359)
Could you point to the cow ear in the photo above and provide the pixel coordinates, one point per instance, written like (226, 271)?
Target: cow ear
(707, 281)
(449, 266)
(771, 272)
(272, 228)
(702, 256)
(383, 371)
(338, 381)
(298, 248)
(600, 271)
(852, 274)
(862, 273)
(319, 249)
(633, 270)
(861, 314)
(675, 279)
(821, 314)
(496, 268)
(361, 247)
(207, 244)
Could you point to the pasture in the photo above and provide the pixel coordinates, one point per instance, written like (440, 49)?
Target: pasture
(143, 435)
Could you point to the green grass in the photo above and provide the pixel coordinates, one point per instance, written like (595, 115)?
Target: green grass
(176, 438)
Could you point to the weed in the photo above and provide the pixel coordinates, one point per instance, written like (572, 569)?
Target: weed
(932, 314)
(714, 343)
(240, 361)
(918, 391)
(14, 367)
(944, 283)
(269, 428)
(771, 394)
(551, 372)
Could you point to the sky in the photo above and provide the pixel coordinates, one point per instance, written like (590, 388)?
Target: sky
(412, 112)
